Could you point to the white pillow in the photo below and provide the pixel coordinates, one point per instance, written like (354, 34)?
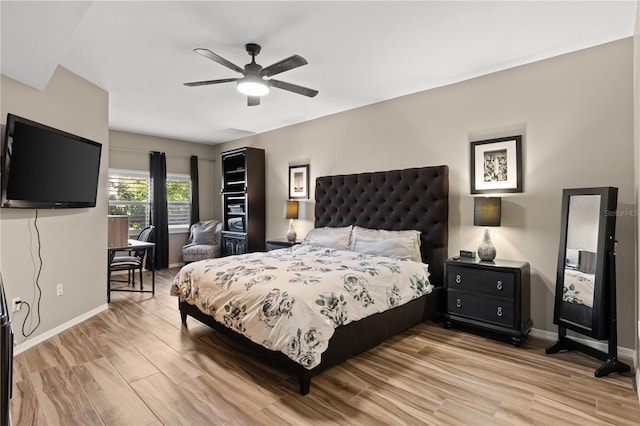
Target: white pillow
(399, 248)
(573, 257)
(336, 238)
(412, 238)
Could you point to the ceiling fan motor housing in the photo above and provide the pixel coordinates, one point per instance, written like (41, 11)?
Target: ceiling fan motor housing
(253, 49)
(252, 69)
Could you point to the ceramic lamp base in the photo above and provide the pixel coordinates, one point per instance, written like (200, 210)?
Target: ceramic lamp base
(486, 250)
(291, 232)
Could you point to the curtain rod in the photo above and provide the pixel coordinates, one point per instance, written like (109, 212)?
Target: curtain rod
(139, 151)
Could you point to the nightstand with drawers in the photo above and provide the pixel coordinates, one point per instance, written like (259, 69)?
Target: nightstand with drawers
(494, 296)
(280, 243)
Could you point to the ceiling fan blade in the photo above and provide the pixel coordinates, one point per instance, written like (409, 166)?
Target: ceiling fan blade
(293, 88)
(253, 100)
(219, 59)
(205, 82)
(290, 63)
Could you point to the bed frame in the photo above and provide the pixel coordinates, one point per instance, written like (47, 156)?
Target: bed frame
(414, 198)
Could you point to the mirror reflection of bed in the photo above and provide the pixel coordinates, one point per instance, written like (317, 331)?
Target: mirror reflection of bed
(579, 284)
(580, 259)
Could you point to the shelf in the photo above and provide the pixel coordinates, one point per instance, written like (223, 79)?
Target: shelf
(243, 194)
(234, 233)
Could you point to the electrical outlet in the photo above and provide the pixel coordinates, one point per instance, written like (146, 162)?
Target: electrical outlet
(59, 290)
(16, 304)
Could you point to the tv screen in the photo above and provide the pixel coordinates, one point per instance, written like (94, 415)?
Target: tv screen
(43, 167)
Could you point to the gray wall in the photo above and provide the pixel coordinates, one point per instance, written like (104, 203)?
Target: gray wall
(575, 113)
(72, 241)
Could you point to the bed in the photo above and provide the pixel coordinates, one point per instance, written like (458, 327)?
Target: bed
(409, 199)
(578, 286)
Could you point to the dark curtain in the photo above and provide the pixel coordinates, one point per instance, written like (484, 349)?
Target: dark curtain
(159, 209)
(195, 195)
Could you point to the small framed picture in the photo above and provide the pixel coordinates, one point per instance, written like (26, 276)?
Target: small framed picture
(299, 181)
(496, 165)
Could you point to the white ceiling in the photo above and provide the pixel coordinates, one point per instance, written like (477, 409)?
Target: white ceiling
(358, 52)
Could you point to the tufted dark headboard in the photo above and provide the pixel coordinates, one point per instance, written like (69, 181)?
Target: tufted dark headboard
(394, 200)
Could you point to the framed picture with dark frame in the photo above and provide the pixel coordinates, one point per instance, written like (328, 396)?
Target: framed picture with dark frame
(299, 181)
(496, 165)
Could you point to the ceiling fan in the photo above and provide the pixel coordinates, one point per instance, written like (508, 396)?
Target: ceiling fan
(256, 80)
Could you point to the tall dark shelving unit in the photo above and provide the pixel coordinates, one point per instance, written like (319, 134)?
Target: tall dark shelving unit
(243, 201)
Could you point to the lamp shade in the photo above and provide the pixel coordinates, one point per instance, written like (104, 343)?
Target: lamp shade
(291, 210)
(486, 211)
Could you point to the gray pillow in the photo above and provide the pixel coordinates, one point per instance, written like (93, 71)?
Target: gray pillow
(203, 233)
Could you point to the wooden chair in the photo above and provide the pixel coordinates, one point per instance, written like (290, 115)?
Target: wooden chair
(135, 259)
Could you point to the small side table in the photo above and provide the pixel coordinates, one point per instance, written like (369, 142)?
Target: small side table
(495, 296)
(280, 243)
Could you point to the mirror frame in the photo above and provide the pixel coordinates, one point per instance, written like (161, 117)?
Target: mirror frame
(600, 314)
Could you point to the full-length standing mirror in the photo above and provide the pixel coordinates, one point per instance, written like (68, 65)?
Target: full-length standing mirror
(580, 280)
(585, 279)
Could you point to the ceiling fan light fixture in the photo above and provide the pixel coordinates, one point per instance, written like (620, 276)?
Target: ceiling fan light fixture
(253, 86)
(256, 81)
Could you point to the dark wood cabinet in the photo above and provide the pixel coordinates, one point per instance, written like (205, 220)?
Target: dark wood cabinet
(243, 200)
(494, 296)
(233, 243)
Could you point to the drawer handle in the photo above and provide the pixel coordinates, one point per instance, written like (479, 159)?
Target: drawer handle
(499, 285)
(458, 279)
(458, 303)
(499, 311)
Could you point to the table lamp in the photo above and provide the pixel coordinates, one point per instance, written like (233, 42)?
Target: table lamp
(486, 212)
(291, 212)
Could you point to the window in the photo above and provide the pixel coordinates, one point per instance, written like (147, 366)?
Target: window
(130, 193)
(179, 200)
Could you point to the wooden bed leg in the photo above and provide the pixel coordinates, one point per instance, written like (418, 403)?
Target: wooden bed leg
(305, 382)
(183, 317)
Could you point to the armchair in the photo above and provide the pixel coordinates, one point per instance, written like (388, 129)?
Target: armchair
(204, 241)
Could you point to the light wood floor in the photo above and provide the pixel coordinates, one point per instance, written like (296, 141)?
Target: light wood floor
(135, 365)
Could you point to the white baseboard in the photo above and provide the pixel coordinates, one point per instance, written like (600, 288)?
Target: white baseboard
(636, 365)
(638, 381)
(30, 342)
(635, 362)
(176, 265)
(602, 346)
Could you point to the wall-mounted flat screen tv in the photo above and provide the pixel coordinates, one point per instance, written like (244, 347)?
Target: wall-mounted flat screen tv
(45, 168)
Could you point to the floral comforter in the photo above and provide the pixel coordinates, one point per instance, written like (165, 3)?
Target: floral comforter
(290, 300)
(578, 287)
